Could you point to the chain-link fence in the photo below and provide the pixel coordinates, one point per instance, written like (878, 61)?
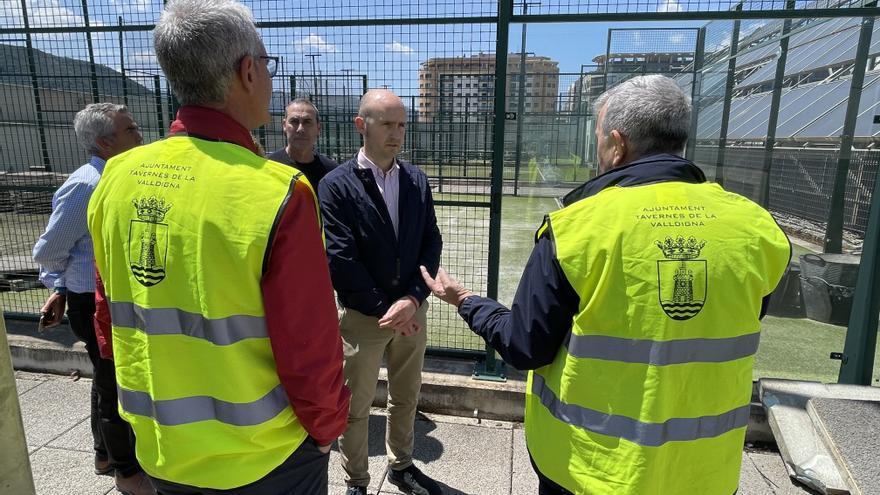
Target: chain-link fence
(801, 181)
(477, 140)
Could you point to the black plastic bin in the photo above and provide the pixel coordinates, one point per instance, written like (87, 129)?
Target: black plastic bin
(828, 284)
(786, 300)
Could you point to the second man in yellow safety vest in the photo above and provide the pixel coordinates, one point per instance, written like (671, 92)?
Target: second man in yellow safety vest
(638, 312)
(224, 332)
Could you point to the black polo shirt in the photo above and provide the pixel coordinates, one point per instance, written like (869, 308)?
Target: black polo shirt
(314, 170)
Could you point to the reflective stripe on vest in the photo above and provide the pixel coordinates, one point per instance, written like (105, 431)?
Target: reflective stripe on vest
(662, 353)
(646, 434)
(193, 409)
(172, 321)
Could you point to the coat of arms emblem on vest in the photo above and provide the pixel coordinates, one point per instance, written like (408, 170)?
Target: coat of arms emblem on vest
(682, 278)
(148, 240)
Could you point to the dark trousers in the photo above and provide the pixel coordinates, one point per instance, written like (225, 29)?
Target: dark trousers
(303, 473)
(546, 486)
(114, 440)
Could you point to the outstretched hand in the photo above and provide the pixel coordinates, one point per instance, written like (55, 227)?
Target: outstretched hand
(445, 287)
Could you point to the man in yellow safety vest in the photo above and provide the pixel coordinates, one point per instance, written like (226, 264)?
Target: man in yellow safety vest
(638, 313)
(215, 283)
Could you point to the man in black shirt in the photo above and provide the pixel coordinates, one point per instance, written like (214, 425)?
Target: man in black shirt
(302, 126)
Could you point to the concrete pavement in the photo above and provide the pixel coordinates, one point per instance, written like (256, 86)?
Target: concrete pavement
(470, 456)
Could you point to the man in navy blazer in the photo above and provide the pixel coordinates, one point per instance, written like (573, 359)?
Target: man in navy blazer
(380, 226)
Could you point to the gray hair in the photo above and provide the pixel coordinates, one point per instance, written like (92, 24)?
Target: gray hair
(304, 101)
(199, 44)
(95, 121)
(651, 111)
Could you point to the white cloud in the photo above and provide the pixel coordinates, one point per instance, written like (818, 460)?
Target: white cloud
(398, 47)
(313, 43)
(41, 14)
(122, 6)
(51, 13)
(670, 6)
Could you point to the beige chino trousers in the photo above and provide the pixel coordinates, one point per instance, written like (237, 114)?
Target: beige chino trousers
(364, 345)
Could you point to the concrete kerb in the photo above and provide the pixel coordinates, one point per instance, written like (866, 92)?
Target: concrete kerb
(55, 350)
(448, 387)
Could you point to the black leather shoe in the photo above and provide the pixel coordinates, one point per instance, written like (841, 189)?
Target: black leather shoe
(356, 490)
(102, 467)
(136, 484)
(411, 480)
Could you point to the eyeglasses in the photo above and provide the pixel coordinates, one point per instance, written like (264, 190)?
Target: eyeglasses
(272, 64)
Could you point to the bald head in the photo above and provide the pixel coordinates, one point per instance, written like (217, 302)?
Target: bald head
(377, 101)
(381, 120)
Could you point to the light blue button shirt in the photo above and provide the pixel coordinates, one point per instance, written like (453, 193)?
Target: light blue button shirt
(389, 185)
(64, 251)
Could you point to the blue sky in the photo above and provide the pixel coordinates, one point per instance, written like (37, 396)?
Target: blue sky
(388, 55)
(573, 44)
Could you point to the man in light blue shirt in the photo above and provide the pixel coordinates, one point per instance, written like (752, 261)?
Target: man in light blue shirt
(67, 267)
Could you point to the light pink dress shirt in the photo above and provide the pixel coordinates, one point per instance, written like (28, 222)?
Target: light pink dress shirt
(388, 182)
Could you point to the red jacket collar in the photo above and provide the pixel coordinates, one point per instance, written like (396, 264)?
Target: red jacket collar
(207, 123)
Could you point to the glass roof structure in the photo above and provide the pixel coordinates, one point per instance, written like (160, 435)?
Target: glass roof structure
(820, 57)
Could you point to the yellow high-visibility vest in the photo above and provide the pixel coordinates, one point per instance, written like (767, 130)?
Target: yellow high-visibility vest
(182, 229)
(650, 394)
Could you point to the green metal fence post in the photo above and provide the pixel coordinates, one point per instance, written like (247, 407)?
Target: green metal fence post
(520, 103)
(261, 135)
(728, 96)
(696, 90)
(464, 165)
(157, 91)
(491, 368)
(834, 227)
(346, 115)
(122, 63)
(172, 103)
(444, 137)
(93, 74)
(861, 335)
(521, 94)
(337, 148)
(776, 98)
(607, 63)
(35, 86)
(579, 86)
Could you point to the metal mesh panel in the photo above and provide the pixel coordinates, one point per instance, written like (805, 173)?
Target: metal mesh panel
(382, 10)
(332, 65)
(657, 40)
(672, 6)
(440, 58)
(634, 52)
(859, 189)
(551, 149)
(801, 180)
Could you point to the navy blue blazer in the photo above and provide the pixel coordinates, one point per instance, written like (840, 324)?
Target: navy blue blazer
(370, 266)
